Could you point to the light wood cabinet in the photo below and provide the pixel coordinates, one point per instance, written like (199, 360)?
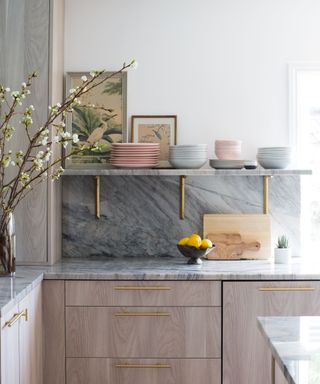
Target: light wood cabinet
(32, 40)
(10, 349)
(143, 293)
(31, 348)
(192, 332)
(21, 341)
(143, 371)
(246, 357)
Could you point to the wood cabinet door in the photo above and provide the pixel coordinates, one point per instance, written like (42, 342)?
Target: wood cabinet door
(10, 349)
(31, 351)
(146, 371)
(246, 357)
(178, 332)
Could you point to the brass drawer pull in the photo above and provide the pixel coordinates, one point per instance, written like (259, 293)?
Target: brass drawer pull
(134, 288)
(287, 289)
(137, 314)
(16, 317)
(143, 366)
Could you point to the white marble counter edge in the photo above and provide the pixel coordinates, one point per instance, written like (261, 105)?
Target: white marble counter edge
(5, 308)
(275, 354)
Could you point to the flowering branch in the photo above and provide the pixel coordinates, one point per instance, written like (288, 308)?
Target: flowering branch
(32, 166)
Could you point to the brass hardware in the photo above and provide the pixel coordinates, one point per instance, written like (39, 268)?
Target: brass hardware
(16, 317)
(266, 194)
(133, 288)
(98, 197)
(273, 371)
(287, 289)
(142, 314)
(143, 366)
(182, 196)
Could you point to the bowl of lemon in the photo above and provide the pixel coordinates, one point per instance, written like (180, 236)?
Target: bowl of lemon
(195, 248)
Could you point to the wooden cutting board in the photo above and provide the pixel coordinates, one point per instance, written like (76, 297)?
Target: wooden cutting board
(241, 236)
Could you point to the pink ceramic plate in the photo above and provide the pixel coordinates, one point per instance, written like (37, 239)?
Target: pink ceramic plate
(135, 145)
(135, 166)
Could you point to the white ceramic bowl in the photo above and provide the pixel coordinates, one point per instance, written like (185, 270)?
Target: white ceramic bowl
(273, 163)
(187, 164)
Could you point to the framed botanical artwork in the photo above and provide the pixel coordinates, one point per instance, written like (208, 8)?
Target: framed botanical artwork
(155, 129)
(100, 118)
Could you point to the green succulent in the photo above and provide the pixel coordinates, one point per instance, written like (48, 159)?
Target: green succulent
(283, 242)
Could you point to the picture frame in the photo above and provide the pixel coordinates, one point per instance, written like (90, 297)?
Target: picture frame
(155, 129)
(93, 121)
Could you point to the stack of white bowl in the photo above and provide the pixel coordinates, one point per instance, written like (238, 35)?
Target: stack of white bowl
(274, 157)
(188, 156)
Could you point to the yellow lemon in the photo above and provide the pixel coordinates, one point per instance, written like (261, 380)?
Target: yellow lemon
(206, 243)
(194, 242)
(195, 236)
(183, 241)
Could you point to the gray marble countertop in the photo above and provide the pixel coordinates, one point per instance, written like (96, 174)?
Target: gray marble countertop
(295, 346)
(12, 290)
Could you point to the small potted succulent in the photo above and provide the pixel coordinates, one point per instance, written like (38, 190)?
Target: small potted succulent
(282, 252)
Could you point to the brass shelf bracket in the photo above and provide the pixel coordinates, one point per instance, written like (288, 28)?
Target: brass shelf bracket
(266, 194)
(98, 197)
(182, 196)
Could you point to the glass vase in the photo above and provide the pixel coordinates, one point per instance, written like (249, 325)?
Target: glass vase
(8, 247)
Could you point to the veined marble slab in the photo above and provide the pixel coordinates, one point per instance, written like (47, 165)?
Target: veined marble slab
(13, 290)
(186, 172)
(140, 215)
(295, 344)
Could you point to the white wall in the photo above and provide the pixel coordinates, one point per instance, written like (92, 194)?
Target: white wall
(220, 65)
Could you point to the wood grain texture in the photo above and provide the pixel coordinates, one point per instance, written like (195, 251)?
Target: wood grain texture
(192, 332)
(246, 357)
(181, 371)
(31, 342)
(25, 50)
(252, 228)
(56, 74)
(54, 332)
(10, 350)
(152, 293)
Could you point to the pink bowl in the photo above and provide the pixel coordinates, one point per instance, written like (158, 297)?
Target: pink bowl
(228, 155)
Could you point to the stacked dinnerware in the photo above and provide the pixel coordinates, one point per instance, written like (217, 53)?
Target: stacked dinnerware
(188, 156)
(274, 157)
(228, 149)
(135, 155)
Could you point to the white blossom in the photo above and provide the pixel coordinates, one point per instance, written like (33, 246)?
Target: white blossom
(84, 78)
(7, 89)
(75, 138)
(24, 178)
(56, 139)
(72, 90)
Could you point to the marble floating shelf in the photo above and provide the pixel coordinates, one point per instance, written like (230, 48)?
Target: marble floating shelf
(186, 172)
(183, 174)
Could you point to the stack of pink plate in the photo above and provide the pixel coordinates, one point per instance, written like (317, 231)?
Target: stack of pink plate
(135, 155)
(228, 149)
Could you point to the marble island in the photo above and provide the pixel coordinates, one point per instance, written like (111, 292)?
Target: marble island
(13, 290)
(295, 346)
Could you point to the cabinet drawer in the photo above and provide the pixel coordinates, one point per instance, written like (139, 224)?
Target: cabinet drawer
(143, 293)
(143, 332)
(146, 371)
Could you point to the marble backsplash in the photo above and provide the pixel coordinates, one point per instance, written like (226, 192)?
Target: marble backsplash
(140, 215)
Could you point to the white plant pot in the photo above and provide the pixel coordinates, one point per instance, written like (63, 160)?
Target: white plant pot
(282, 255)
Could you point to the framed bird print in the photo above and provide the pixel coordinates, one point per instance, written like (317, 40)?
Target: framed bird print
(100, 118)
(155, 129)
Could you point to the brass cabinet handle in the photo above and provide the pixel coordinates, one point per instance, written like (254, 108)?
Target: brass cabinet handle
(287, 289)
(137, 314)
(16, 317)
(135, 288)
(143, 366)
